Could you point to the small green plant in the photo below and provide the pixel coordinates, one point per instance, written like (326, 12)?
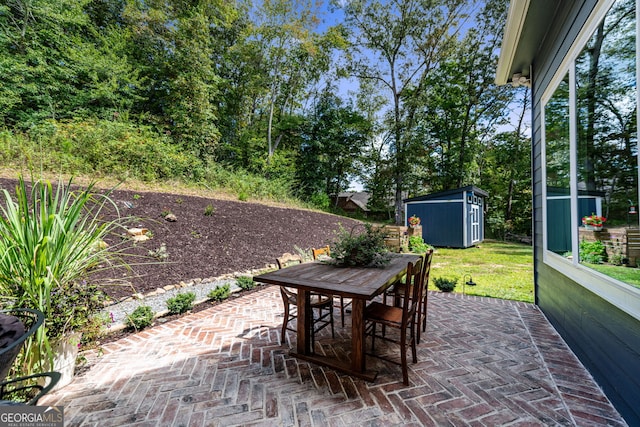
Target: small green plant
(209, 210)
(242, 196)
(165, 212)
(195, 234)
(593, 252)
(445, 284)
(245, 283)
(136, 197)
(140, 318)
(179, 200)
(417, 245)
(181, 303)
(149, 234)
(161, 253)
(220, 292)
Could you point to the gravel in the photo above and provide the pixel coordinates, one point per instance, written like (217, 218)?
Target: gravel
(158, 302)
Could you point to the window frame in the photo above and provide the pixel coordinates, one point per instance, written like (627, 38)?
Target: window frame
(622, 295)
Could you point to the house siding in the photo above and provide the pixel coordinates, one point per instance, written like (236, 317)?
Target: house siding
(605, 339)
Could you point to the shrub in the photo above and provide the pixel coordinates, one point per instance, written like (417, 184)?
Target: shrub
(593, 252)
(445, 284)
(140, 318)
(209, 210)
(245, 283)
(181, 303)
(220, 292)
(417, 245)
(367, 249)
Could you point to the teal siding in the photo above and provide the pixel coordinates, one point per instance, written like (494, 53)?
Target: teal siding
(606, 339)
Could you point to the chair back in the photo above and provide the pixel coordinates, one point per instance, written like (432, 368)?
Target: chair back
(24, 323)
(412, 292)
(324, 252)
(288, 259)
(426, 268)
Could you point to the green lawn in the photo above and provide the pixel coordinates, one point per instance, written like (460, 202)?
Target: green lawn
(500, 270)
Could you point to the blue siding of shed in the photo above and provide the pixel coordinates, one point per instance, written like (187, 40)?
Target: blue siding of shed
(441, 222)
(605, 339)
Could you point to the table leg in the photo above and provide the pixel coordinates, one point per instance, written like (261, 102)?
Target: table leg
(304, 322)
(357, 336)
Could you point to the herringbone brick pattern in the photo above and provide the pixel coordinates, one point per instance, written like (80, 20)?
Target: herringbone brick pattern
(482, 362)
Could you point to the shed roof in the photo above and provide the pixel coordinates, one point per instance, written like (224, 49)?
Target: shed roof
(473, 188)
(527, 26)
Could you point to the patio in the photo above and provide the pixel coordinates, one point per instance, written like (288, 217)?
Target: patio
(481, 362)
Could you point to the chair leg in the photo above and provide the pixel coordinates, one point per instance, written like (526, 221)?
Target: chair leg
(424, 313)
(330, 308)
(403, 359)
(284, 324)
(417, 323)
(413, 344)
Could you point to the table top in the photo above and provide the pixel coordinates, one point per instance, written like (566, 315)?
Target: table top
(350, 282)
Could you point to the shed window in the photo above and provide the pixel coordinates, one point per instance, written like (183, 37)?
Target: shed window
(590, 149)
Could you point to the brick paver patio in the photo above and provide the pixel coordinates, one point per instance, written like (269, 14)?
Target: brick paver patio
(482, 362)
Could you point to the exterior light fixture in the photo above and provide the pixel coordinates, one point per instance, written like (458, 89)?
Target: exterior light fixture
(519, 80)
(466, 282)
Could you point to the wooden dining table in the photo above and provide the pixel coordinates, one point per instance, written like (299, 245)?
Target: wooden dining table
(358, 283)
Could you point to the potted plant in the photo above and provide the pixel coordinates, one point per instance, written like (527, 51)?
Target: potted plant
(366, 249)
(49, 241)
(415, 229)
(414, 221)
(593, 222)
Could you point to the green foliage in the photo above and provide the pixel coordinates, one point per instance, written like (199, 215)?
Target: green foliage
(320, 200)
(49, 240)
(141, 317)
(245, 283)
(99, 147)
(220, 292)
(242, 196)
(209, 210)
(160, 253)
(593, 252)
(417, 245)
(445, 284)
(365, 249)
(181, 303)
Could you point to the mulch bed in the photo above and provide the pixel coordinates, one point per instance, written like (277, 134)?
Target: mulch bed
(236, 237)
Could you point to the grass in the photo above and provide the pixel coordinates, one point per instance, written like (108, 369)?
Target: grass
(499, 269)
(622, 273)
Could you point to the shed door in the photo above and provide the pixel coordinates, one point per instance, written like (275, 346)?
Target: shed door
(475, 223)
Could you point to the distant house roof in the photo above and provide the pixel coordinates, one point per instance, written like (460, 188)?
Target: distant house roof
(359, 198)
(473, 188)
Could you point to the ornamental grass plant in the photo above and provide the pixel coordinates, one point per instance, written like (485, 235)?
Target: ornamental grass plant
(49, 240)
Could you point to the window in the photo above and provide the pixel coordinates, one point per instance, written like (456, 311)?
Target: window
(590, 150)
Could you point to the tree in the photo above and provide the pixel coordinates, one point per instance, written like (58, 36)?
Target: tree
(506, 175)
(397, 44)
(331, 146)
(462, 105)
(293, 56)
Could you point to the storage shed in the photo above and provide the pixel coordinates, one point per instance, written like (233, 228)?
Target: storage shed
(451, 218)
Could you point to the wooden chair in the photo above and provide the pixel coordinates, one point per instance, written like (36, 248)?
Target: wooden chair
(319, 303)
(322, 253)
(400, 318)
(398, 291)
